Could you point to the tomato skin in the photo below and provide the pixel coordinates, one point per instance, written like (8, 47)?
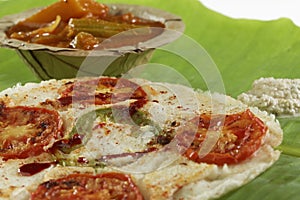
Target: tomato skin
(101, 91)
(106, 186)
(41, 127)
(242, 135)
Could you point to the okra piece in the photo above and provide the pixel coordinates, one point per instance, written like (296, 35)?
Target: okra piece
(100, 28)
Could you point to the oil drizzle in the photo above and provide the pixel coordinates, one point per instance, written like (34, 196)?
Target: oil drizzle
(33, 168)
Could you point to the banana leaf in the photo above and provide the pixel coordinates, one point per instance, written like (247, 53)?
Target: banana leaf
(243, 50)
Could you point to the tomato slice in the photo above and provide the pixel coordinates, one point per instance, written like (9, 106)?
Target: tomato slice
(104, 186)
(25, 131)
(101, 91)
(239, 137)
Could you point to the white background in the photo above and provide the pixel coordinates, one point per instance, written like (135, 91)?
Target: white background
(257, 9)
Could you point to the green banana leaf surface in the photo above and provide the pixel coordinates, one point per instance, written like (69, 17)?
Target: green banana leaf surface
(243, 50)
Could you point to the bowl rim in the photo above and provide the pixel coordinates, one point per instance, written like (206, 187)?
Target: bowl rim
(174, 28)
